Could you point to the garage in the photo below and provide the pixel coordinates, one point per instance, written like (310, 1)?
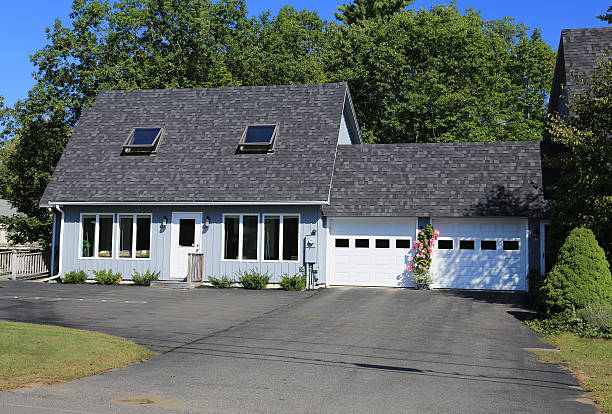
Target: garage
(482, 253)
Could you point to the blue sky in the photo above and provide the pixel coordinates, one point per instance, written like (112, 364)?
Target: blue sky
(22, 25)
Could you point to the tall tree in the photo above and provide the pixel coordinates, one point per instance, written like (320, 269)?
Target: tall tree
(439, 75)
(607, 17)
(360, 10)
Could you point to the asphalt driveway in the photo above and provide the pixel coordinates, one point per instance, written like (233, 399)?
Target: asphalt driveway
(350, 350)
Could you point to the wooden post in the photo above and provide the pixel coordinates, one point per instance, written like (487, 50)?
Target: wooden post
(14, 264)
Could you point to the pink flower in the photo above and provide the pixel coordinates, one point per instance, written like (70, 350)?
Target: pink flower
(410, 258)
(430, 250)
(420, 266)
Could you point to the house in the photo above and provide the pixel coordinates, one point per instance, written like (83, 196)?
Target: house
(6, 210)
(276, 178)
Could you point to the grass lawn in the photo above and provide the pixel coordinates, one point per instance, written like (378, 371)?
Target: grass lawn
(44, 354)
(590, 360)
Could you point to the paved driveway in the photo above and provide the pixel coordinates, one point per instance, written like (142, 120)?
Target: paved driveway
(347, 350)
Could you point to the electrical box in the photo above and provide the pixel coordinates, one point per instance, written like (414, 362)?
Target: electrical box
(310, 249)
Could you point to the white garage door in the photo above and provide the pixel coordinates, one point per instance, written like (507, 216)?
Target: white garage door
(370, 252)
(480, 254)
(471, 253)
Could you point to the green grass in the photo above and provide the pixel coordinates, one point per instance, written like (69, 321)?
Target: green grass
(589, 359)
(44, 354)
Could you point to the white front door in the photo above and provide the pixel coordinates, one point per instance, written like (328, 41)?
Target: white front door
(186, 237)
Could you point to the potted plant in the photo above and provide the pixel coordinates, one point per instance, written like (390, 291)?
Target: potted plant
(420, 263)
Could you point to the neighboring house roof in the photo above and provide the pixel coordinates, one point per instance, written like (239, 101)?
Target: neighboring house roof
(438, 179)
(6, 209)
(197, 160)
(579, 50)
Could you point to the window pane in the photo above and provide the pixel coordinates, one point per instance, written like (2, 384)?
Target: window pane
(488, 245)
(402, 244)
(144, 136)
(89, 234)
(290, 238)
(342, 242)
(362, 243)
(249, 237)
(125, 236)
(186, 232)
(231, 237)
(259, 134)
(271, 237)
(143, 236)
(382, 243)
(466, 244)
(105, 237)
(445, 245)
(511, 245)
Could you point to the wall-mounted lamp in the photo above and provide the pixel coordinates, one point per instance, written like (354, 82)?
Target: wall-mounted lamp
(207, 222)
(164, 221)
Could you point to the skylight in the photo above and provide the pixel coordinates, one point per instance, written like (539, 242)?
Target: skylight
(258, 138)
(143, 140)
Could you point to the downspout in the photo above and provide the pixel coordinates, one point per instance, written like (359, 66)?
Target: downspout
(61, 242)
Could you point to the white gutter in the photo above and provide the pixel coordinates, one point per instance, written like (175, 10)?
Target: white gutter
(61, 243)
(183, 203)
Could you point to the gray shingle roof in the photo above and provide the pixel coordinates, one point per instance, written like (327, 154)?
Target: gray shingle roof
(197, 160)
(438, 179)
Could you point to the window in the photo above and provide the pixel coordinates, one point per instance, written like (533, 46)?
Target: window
(362, 243)
(382, 243)
(281, 234)
(97, 235)
(466, 244)
(488, 245)
(342, 242)
(134, 236)
(187, 232)
(511, 244)
(142, 140)
(445, 244)
(258, 138)
(241, 237)
(403, 243)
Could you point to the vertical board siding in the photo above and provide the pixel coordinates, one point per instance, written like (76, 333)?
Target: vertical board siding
(310, 219)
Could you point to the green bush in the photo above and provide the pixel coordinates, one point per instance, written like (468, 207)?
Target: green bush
(568, 323)
(581, 276)
(107, 277)
(295, 283)
(144, 279)
(253, 279)
(221, 283)
(597, 315)
(76, 276)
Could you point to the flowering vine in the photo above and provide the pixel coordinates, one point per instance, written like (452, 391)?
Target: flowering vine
(420, 263)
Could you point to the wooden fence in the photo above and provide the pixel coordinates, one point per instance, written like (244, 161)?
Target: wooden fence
(195, 273)
(24, 265)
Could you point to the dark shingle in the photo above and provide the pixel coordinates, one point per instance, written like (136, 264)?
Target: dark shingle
(197, 160)
(440, 179)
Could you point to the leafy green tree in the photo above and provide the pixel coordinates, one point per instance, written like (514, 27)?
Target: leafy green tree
(438, 75)
(607, 17)
(581, 275)
(361, 10)
(583, 193)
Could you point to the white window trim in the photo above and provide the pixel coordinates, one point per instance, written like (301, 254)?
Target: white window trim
(96, 236)
(280, 237)
(240, 234)
(134, 215)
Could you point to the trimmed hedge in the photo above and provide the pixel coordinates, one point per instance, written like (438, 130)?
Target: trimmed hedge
(581, 275)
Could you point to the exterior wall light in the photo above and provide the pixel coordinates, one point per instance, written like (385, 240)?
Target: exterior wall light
(164, 222)
(207, 222)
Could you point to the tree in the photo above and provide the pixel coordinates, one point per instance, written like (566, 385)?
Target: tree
(583, 194)
(607, 17)
(361, 10)
(438, 75)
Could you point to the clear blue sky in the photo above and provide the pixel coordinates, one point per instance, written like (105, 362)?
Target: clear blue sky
(22, 25)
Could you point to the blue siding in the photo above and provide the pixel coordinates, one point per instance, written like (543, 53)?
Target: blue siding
(310, 219)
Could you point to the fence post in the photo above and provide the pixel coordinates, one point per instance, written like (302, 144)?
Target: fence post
(14, 264)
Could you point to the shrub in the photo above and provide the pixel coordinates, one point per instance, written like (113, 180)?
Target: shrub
(568, 323)
(76, 276)
(221, 283)
(295, 283)
(107, 277)
(597, 315)
(581, 275)
(144, 279)
(253, 279)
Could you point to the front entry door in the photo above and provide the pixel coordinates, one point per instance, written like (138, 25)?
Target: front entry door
(186, 237)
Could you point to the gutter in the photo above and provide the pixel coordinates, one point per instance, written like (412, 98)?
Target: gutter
(61, 242)
(183, 203)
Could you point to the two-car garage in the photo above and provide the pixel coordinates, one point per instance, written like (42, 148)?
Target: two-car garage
(471, 253)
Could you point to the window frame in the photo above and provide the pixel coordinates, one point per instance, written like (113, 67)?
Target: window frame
(258, 146)
(141, 148)
(467, 240)
(96, 236)
(281, 237)
(518, 240)
(489, 250)
(134, 229)
(450, 239)
(240, 237)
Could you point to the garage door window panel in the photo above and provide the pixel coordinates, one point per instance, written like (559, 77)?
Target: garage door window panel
(466, 244)
(342, 243)
(362, 243)
(511, 245)
(403, 244)
(445, 244)
(382, 243)
(488, 245)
